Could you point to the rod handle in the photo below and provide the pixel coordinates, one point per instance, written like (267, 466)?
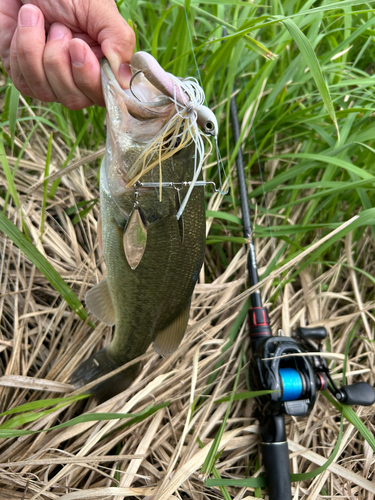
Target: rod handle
(276, 463)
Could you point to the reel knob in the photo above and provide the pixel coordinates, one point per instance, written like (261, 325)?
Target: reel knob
(315, 333)
(357, 394)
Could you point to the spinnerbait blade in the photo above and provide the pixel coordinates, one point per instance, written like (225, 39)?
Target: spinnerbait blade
(135, 238)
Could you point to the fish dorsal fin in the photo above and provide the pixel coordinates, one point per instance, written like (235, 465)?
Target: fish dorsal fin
(169, 339)
(99, 303)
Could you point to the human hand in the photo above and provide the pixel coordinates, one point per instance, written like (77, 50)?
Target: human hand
(64, 66)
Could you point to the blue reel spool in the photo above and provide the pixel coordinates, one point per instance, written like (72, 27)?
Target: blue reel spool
(292, 384)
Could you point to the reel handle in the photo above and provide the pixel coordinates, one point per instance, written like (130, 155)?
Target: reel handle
(356, 394)
(315, 333)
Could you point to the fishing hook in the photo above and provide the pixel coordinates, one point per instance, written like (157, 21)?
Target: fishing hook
(131, 82)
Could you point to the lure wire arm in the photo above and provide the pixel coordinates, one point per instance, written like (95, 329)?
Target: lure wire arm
(177, 185)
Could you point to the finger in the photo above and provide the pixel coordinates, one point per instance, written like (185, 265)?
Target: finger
(94, 46)
(15, 70)
(8, 25)
(97, 51)
(30, 47)
(116, 38)
(86, 70)
(58, 69)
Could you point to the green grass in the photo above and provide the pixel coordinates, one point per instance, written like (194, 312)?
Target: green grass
(303, 73)
(308, 97)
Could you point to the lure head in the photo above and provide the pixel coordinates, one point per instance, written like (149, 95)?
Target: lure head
(207, 120)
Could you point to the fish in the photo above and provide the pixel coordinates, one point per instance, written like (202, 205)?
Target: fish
(153, 258)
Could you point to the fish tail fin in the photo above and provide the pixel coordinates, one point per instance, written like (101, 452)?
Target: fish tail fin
(96, 366)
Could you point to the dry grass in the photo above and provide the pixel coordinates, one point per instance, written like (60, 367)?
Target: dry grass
(42, 341)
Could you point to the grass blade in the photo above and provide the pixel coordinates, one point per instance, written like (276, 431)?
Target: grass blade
(212, 454)
(91, 417)
(33, 254)
(312, 62)
(44, 403)
(13, 108)
(8, 173)
(256, 482)
(45, 184)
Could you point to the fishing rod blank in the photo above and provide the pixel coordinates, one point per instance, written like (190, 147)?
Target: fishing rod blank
(277, 365)
(274, 445)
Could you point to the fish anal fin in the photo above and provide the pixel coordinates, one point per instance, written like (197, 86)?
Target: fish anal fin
(99, 303)
(168, 340)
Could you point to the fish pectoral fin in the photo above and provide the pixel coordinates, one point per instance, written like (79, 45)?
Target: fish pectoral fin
(168, 340)
(99, 303)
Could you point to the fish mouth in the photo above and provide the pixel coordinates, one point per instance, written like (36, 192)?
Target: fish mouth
(145, 126)
(143, 101)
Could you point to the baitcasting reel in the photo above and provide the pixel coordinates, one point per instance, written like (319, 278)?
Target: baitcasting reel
(294, 370)
(279, 364)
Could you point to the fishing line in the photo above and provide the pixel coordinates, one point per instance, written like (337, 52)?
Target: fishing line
(218, 155)
(192, 49)
(221, 168)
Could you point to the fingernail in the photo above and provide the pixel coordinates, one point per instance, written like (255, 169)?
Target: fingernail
(57, 31)
(77, 54)
(28, 16)
(124, 74)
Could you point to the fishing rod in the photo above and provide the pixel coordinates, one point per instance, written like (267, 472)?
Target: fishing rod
(276, 364)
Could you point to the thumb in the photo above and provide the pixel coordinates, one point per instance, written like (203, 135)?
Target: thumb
(116, 38)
